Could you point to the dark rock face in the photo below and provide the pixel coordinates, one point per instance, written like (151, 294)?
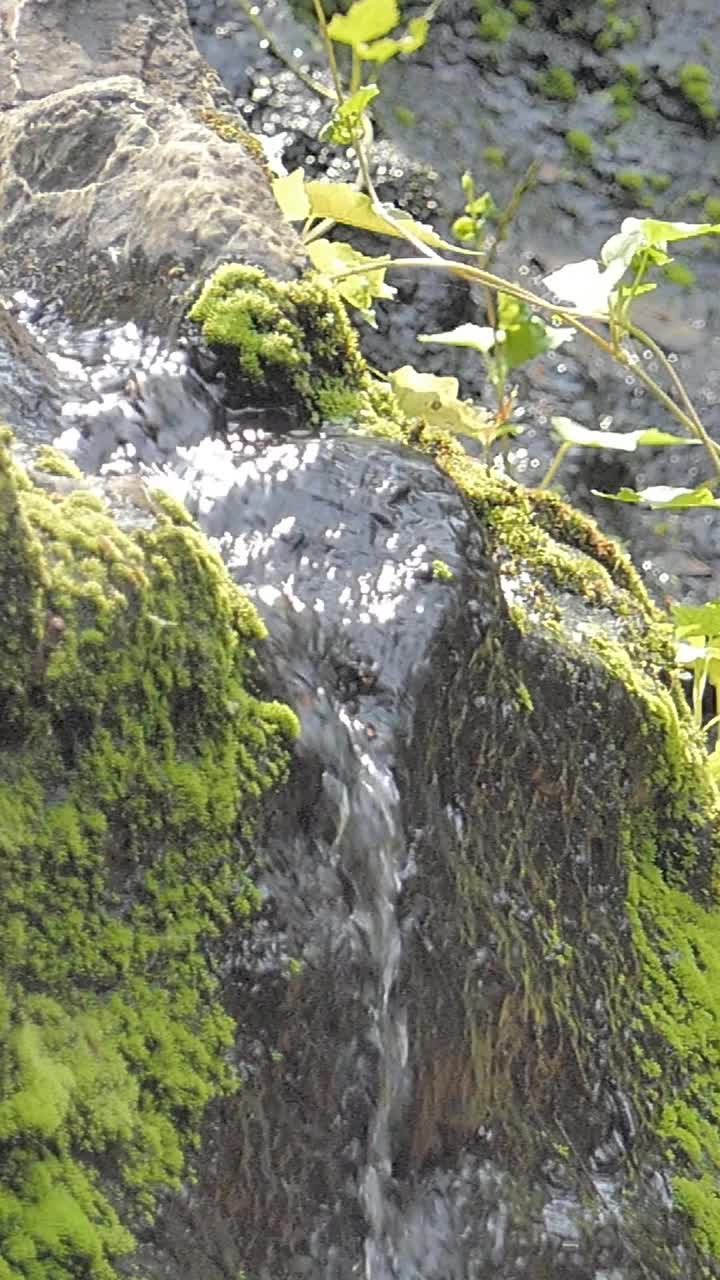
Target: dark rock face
(438, 1006)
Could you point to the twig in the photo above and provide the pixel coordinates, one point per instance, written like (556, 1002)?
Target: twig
(280, 54)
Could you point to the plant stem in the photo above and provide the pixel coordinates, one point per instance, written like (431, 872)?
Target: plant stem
(570, 317)
(316, 86)
(381, 212)
(640, 336)
(329, 51)
(554, 466)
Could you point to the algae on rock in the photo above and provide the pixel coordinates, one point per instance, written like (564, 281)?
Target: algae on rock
(133, 752)
(654, 816)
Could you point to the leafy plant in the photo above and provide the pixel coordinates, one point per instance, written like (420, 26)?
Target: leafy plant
(594, 298)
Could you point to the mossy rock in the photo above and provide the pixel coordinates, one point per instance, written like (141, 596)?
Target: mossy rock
(288, 343)
(572, 591)
(133, 755)
(586, 625)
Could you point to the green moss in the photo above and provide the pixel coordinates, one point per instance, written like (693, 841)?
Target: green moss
(696, 196)
(404, 116)
(524, 697)
(289, 341)
(677, 941)
(56, 463)
(230, 129)
(494, 157)
(630, 179)
(536, 528)
(623, 99)
(696, 86)
(616, 31)
(496, 23)
(523, 9)
(133, 754)
(711, 209)
(441, 572)
(559, 83)
(581, 144)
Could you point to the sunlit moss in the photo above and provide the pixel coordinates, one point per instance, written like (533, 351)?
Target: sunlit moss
(558, 82)
(696, 85)
(292, 340)
(133, 752)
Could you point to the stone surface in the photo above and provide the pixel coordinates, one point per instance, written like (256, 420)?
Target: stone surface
(115, 195)
(45, 48)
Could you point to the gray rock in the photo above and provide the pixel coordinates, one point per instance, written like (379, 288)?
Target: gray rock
(115, 191)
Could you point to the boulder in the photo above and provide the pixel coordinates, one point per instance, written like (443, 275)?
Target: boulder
(121, 179)
(457, 942)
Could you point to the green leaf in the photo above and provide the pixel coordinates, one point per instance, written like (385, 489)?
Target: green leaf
(344, 203)
(662, 496)
(524, 334)
(332, 258)
(517, 340)
(365, 20)
(435, 399)
(697, 619)
(478, 337)
(627, 441)
(661, 233)
(291, 196)
(637, 235)
(590, 289)
(585, 286)
(381, 51)
(345, 126)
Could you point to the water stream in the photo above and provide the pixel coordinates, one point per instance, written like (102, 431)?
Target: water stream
(377, 823)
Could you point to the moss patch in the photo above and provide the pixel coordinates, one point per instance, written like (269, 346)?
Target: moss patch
(133, 753)
(696, 86)
(558, 83)
(230, 129)
(291, 342)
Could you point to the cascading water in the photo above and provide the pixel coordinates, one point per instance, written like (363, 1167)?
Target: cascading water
(377, 828)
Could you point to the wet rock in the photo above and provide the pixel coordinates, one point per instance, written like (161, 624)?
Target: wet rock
(116, 193)
(47, 48)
